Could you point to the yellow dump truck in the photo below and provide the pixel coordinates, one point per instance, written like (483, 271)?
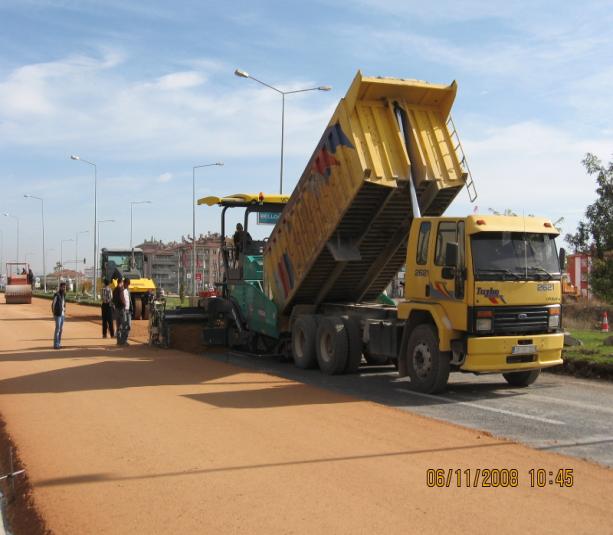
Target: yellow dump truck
(482, 293)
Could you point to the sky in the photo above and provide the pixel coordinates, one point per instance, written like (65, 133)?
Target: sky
(146, 91)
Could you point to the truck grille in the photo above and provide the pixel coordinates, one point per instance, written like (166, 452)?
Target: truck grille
(513, 320)
(519, 320)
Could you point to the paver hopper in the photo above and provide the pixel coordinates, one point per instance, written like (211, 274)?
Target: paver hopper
(18, 290)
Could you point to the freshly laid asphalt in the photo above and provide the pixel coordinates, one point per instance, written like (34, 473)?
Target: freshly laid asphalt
(558, 413)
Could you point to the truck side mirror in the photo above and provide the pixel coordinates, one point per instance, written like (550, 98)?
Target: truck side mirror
(562, 259)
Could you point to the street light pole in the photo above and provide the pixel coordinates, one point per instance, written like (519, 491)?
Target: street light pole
(98, 227)
(42, 216)
(62, 252)
(73, 157)
(16, 219)
(76, 255)
(243, 74)
(194, 221)
(132, 203)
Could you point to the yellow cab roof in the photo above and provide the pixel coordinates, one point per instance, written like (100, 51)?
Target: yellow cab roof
(499, 223)
(244, 199)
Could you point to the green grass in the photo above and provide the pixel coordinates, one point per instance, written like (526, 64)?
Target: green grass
(593, 348)
(174, 302)
(71, 297)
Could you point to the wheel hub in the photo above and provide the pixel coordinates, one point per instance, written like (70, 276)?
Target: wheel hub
(422, 360)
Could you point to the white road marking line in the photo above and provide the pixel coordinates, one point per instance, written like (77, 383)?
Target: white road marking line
(571, 403)
(484, 407)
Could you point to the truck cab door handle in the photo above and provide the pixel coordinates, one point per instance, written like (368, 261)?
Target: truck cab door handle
(427, 290)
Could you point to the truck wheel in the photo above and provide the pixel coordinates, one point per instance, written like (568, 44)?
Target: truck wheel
(332, 345)
(146, 312)
(521, 379)
(138, 308)
(427, 366)
(304, 335)
(354, 353)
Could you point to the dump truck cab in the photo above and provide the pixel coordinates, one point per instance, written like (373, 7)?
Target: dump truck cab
(489, 288)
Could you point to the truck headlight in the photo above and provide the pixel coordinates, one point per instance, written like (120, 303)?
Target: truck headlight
(554, 317)
(484, 324)
(484, 320)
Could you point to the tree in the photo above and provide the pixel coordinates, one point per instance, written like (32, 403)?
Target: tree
(595, 234)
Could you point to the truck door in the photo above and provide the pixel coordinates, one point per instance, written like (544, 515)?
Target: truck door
(417, 280)
(448, 282)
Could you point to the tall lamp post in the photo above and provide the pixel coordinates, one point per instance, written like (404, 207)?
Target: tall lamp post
(132, 203)
(62, 252)
(243, 74)
(99, 222)
(76, 255)
(78, 158)
(6, 214)
(48, 250)
(42, 217)
(194, 221)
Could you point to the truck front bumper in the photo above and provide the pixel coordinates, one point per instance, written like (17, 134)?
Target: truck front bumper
(492, 354)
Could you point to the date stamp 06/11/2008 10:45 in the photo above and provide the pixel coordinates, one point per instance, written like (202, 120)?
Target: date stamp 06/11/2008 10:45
(498, 477)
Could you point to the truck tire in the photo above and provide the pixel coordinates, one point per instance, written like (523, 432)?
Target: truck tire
(354, 352)
(427, 366)
(138, 308)
(332, 345)
(304, 336)
(521, 379)
(146, 312)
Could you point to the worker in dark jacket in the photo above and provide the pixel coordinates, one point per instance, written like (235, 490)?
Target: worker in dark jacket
(118, 307)
(58, 308)
(107, 310)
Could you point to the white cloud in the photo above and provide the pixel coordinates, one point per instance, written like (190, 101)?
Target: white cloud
(180, 80)
(533, 168)
(86, 104)
(165, 177)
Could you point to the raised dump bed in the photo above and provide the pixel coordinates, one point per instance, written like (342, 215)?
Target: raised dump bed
(343, 234)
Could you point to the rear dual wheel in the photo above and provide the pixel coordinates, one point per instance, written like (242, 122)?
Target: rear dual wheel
(304, 335)
(331, 342)
(332, 345)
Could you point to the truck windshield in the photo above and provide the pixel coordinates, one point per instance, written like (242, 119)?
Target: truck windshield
(122, 262)
(514, 256)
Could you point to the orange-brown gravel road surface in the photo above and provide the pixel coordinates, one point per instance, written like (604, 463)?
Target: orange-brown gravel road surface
(140, 440)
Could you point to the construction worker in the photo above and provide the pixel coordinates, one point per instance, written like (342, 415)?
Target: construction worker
(58, 308)
(107, 310)
(126, 323)
(239, 236)
(118, 307)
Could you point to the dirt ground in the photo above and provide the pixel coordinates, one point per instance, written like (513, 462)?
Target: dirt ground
(141, 440)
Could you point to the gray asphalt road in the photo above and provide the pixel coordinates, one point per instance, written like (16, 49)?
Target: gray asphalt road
(558, 413)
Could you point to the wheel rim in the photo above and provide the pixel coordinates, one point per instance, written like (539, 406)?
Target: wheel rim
(326, 347)
(422, 360)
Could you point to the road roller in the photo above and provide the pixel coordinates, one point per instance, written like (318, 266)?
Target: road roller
(18, 289)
